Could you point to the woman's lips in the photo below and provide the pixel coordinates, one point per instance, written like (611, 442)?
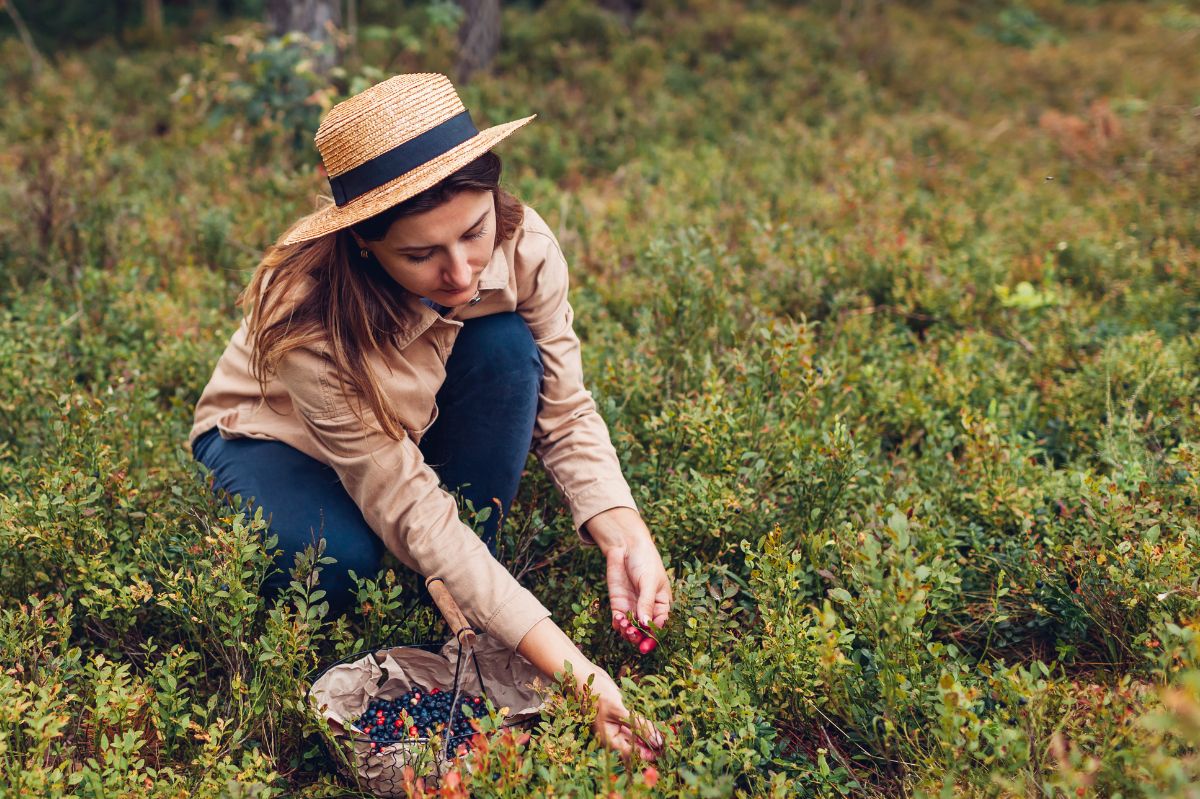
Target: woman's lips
(468, 292)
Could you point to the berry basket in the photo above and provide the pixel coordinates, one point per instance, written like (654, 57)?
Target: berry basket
(384, 705)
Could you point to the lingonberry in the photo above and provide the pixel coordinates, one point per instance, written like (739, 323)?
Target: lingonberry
(637, 633)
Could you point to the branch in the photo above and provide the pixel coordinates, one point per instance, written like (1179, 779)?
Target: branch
(34, 56)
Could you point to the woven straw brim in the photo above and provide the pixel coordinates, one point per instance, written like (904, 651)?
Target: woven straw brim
(377, 200)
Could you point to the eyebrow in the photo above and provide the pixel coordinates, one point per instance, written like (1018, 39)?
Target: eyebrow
(420, 247)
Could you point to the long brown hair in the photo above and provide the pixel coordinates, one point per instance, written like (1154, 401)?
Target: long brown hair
(322, 291)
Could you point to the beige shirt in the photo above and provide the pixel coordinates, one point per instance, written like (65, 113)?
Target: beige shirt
(396, 490)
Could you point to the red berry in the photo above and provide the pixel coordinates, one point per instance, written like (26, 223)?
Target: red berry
(435, 691)
(647, 646)
(412, 731)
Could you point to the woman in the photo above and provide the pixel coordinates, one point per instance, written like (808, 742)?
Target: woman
(417, 332)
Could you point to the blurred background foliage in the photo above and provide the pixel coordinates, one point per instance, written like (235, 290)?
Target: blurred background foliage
(892, 311)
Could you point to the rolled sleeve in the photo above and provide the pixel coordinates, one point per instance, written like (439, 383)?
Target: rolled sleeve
(401, 500)
(570, 438)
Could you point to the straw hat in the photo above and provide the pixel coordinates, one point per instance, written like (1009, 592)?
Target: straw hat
(391, 142)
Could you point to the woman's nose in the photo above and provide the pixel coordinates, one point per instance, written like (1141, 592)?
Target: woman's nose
(458, 274)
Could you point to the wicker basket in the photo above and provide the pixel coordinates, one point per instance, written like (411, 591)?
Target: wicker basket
(468, 663)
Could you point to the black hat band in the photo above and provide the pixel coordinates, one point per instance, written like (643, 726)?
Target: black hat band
(385, 167)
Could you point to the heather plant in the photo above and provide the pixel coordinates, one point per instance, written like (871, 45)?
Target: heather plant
(891, 310)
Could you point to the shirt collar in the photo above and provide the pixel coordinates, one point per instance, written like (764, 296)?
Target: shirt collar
(495, 274)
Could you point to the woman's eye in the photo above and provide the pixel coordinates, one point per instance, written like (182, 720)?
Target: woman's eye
(418, 259)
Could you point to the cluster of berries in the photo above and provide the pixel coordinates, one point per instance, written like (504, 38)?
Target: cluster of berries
(635, 632)
(418, 714)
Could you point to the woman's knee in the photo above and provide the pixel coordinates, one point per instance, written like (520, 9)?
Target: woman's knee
(499, 344)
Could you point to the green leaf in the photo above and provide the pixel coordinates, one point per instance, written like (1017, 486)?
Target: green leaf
(841, 595)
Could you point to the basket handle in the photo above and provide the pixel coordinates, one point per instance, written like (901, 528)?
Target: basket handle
(453, 615)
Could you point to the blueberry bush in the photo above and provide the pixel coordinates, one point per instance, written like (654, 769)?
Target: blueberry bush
(893, 310)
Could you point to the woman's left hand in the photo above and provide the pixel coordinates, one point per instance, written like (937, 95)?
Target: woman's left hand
(637, 581)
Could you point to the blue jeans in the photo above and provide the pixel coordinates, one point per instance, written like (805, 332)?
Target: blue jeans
(477, 446)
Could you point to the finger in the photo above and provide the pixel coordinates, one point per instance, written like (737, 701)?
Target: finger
(627, 744)
(614, 737)
(647, 750)
(646, 733)
(645, 604)
(617, 730)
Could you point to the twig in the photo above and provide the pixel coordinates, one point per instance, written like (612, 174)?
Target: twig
(867, 752)
(531, 566)
(35, 57)
(837, 753)
(1015, 337)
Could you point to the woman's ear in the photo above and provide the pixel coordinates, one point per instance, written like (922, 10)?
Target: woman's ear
(358, 241)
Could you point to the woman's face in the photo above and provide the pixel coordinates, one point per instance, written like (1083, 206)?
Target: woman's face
(439, 253)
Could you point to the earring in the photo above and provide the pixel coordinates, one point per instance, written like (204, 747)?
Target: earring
(363, 253)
